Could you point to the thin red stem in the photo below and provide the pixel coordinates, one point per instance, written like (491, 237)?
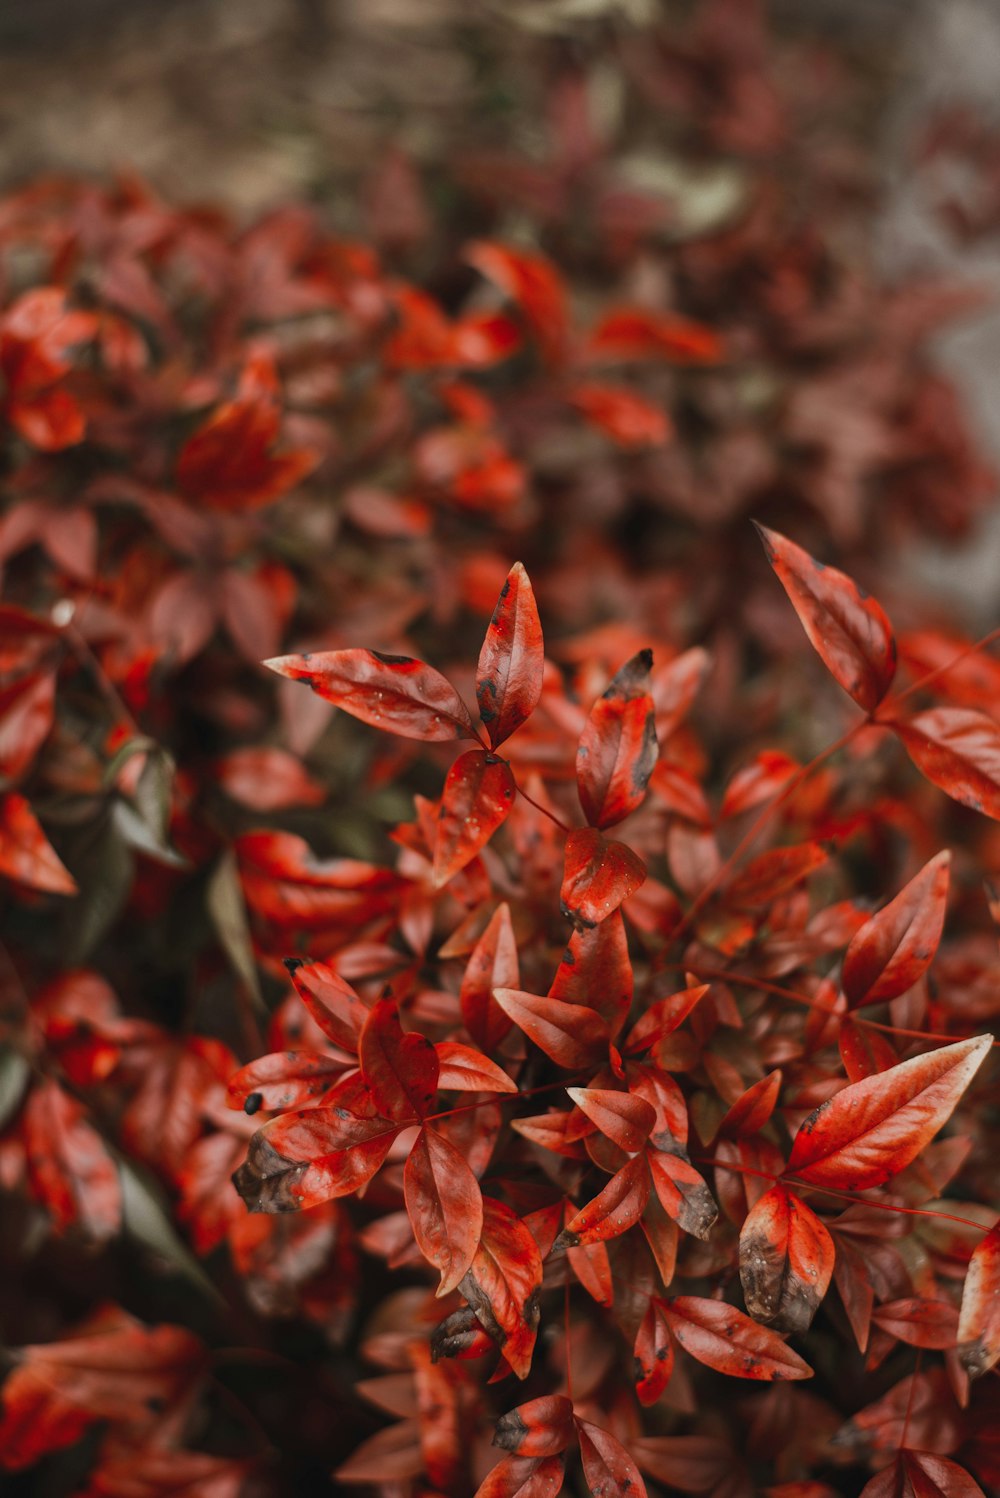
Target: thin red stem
(923, 681)
(543, 809)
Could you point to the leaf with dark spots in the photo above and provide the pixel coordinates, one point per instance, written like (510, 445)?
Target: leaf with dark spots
(477, 798)
(848, 629)
(607, 1467)
(524, 1477)
(786, 1261)
(542, 1427)
(503, 1284)
(654, 1353)
(726, 1339)
(596, 971)
(460, 1336)
(872, 1129)
(896, 946)
(283, 1080)
(618, 749)
(598, 876)
(683, 1194)
(301, 1159)
(512, 661)
(394, 692)
(400, 1068)
(979, 1320)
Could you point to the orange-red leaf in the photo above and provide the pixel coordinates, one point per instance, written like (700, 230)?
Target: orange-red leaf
(445, 1206)
(654, 1353)
(301, 1159)
(609, 1470)
(613, 1211)
(617, 749)
(466, 1070)
(571, 1034)
(897, 945)
(682, 1192)
(332, 1003)
(596, 970)
(492, 964)
(846, 626)
(283, 1080)
(477, 798)
(523, 1477)
(400, 1068)
(69, 1167)
(503, 1284)
(623, 1117)
(979, 1319)
(598, 876)
(394, 692)
(542, 1427)
(872, 1129)
(512, 660)
(26, 855)
(958, 749)
(725, 1339)
(786, 1261)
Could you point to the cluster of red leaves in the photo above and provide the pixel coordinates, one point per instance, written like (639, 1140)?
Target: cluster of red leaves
(607, 1056)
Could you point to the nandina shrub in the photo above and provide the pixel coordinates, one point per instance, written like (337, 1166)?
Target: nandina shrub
(581, 1029)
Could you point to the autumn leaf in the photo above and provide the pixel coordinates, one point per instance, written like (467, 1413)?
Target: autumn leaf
(445, 1206)
(598, 876)
(872, 1129)
(897, 945)
(477, 799)
(958, 749)
(511, 661)
(978, 1332)
(617, 749)
(503, 1283)
(786, 1261)
(847, 628)
(725, 1339)
(394, 692)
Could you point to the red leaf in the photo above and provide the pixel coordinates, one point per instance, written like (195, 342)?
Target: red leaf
(401, 1069)
(572, 1035)
(919, 1322)
(596, 971)
(26, 855)
(663, 1017)
(445, 1206)
(958, 749)
(114, 1370)
(512, 660)
(477, 798)
(283, 1080)
(786, 1261)
(26, 707)
(635, 333)
(625, 1119)
(979, 1320)
(654, 1353)
(267, 779)
(542, 1427)
(625, 417)
(533, 283)
(897, 945)
(391, 1455)
(872, 1129)
(847, 627)
(611, 1213)
(751, 1111)
(670, 1126)
(921, 1474)
(728, 1341)
(864, 1052)
(523, 1477)
(598, 875)
(609, 1470)
(466, 1070)
(69, 1167)
(682, 1192)
(766, 774)
(394, 692)
(503, 1284)
(617, 749)
(774, 873)
(331, 1002)
(493, 964)
(302, 1159)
